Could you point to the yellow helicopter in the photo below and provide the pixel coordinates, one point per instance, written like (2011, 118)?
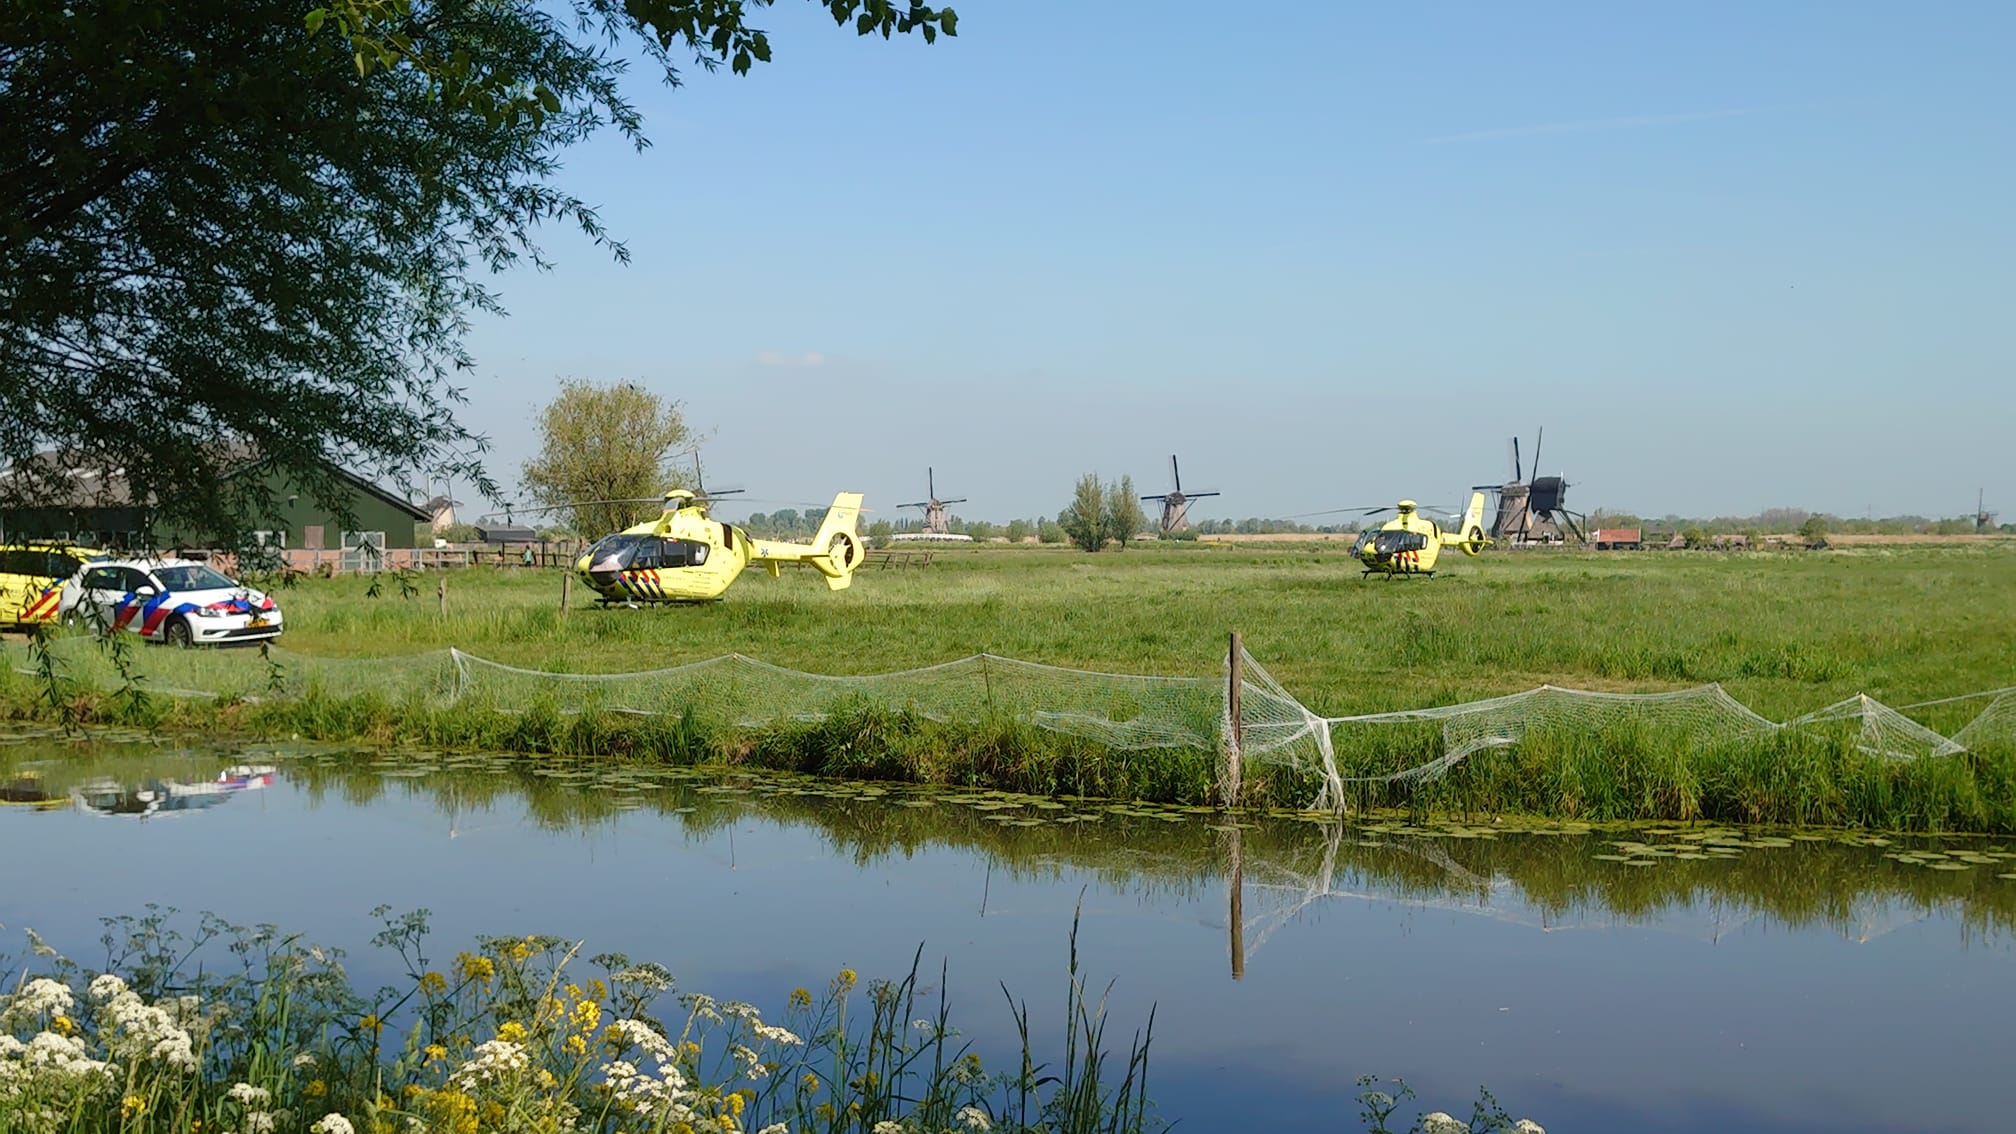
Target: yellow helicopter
(1410, 543)
(686, 556)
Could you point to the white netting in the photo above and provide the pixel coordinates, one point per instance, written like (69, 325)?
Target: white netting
(1121, 711)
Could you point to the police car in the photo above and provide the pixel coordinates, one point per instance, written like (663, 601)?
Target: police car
(178, 601)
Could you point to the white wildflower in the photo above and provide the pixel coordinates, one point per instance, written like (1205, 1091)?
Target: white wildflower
(494, 1059)
(973, 1118)
(258, 1122)
(306, 1059)
(887, 1127)
(638, 1034)
(1528, 1126)
(784, 1036)
(740, 1011)
(333, 1123)
(39, 998)
(702, 1006)
(1440, 1123)
(136, 1031)
(643, 1093)
(247, 1095)
(747, 1057)
(106, 986)
(775, 1128)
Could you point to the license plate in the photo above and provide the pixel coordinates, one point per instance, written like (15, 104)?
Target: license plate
(255, 623)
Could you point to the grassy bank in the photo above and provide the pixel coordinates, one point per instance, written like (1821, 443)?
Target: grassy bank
(1784, 633)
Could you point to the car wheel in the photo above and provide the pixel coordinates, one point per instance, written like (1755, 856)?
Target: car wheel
(176, 634)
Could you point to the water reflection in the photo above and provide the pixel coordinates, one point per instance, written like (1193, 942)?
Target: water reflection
(1269, 871)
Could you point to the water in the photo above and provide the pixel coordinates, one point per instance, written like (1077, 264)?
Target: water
(1738, 982)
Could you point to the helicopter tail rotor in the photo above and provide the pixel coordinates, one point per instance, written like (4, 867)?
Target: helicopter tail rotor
(839, 545)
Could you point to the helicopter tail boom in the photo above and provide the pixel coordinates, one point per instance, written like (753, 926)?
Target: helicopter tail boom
(835, 552)
(1474, 539)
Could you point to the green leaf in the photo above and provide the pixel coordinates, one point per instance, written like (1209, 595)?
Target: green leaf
(547, 99)
(315, 19)
(863, 24)
(948, 21)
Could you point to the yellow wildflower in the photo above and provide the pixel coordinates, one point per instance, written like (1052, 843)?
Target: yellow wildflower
(433, 984)
(587, 1016)
(689, 1050)
(63, 1025)
(574, 992)
(493, 1113)
(809, 1083)
(597, 990)
(546, 1080)
(825, 1111)
(576, 1045)
(476, 968)
(435, 1053)
(132, 1106)
(800, 998)
(512, 1030)
(520, 950)
(314, 1089)
(846, 979)
(736, 1102)
(372, 1024)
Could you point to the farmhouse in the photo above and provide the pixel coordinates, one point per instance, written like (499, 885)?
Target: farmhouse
(99, 510)
(1616, 539)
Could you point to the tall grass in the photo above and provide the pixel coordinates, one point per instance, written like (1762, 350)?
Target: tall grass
(513, 1036)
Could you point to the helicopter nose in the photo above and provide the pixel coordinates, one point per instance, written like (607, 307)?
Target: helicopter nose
(607, 569)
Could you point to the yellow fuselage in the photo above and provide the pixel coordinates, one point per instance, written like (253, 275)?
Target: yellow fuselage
(1410, 543)
(685, 556)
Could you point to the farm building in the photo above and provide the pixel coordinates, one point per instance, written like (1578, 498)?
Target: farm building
(1617, 539)
(100, 511)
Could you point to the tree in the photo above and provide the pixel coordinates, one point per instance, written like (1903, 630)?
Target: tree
(1084, 520)
(881, 533)
(1016, 531)
(605, 454)
(1814, 531)
(1124, 517)
(1049, 531)
(225, 229)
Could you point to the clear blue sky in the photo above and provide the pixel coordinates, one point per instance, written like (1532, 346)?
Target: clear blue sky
(1730, 255)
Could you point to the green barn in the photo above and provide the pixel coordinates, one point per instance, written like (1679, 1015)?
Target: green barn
(99, 512)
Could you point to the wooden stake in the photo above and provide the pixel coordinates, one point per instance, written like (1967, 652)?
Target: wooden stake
(1235, 684)
(441, 593)
(566, 589)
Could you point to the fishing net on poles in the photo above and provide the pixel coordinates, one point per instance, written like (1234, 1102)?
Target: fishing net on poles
(1126, 712)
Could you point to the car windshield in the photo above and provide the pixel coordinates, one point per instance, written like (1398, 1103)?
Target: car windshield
(194, 578)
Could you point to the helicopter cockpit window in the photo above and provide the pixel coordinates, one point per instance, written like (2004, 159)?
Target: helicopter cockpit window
(682, 553)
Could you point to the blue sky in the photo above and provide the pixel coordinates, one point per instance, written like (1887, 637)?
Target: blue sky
(1731, 255)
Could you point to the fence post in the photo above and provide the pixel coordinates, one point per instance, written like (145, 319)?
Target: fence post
(441, 593)
(1235, 681)
(566, 589)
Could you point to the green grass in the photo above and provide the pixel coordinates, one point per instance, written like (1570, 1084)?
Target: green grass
(1783, 633)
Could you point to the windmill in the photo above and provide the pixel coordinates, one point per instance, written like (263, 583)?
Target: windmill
(1175, 502)
(1535, 510)
(934, 508)
(1984, 520)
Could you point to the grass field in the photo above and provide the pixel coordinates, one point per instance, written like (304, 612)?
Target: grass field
(1785, 633)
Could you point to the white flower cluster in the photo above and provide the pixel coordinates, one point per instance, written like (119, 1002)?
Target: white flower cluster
(51, 1067)
(775, 1034)
(247, 1095)
(1440, 1123)
(494, 1059)
(973, 1118)
(37, 1001)
(333, 1124)
(887, 1127)
(638, 1034)
(141, 1032)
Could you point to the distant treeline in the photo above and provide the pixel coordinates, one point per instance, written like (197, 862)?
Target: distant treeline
(1779, 521)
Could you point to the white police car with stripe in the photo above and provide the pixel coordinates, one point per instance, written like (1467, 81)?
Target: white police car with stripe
(178, 601)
